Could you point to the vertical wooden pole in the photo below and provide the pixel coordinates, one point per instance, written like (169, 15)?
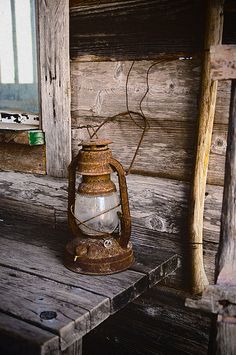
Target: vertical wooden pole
(226, 266)
(226, 257)
(213, 36)
(54, 81)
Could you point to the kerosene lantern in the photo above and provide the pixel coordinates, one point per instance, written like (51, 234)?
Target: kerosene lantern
(98, 217)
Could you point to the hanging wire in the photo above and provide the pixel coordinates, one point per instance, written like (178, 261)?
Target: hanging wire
(130, 113)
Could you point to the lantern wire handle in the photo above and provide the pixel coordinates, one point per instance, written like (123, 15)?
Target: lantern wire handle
(125, 216)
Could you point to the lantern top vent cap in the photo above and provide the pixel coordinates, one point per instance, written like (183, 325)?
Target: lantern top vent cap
(96, 143)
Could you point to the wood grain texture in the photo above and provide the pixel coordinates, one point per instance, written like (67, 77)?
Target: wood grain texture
(44, 293)
(156, 204)
(226, 333)
(98, 89)
(166, 151)
(159, 211)
(55, 83)
(226, 268)
(120, 288)
(226, 265)
(62, 309)
(223, 62)
(19, 337)
(121, 30)
(98, 92)
(207, 105)
(13, 210)
(133, 29)
(24, 158)
(74, 349)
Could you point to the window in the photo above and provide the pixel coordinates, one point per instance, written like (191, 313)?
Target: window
(19, 103)
(53, 103)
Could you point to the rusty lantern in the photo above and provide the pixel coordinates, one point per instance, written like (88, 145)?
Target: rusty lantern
(100, 223)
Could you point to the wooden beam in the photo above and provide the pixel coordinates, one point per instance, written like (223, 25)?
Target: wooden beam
(206, 117)
(54, 82)
(226, 268)
(140, 29)
(223, 62)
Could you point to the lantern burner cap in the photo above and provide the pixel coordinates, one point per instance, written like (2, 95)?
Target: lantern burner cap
(96, 144)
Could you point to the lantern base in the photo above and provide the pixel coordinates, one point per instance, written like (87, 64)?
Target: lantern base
(97, 256)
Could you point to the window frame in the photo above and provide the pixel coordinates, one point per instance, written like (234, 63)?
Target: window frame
(52, 33)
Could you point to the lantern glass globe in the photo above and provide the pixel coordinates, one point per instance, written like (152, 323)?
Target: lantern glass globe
(88, 210)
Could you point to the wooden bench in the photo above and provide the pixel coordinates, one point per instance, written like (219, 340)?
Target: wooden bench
(47, 309)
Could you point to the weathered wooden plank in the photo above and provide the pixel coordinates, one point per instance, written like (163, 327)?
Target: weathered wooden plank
(55, 83)
(226, 261)
(226, 333)
(98, 90)
(19, 157)
(156, 23)
(62, 309)
(47, 192)
(74, 349)
(133, 29)
(226, 267)
(156, 263)
(16, 211)
(32, 137)
(223, 62)
(19, 337)
(120, 288)
(13, 126)
(166, 151)
(159, 205)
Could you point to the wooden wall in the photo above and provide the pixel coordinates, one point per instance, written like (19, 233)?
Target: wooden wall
(98, 91)
(106, 38)
(158, 185)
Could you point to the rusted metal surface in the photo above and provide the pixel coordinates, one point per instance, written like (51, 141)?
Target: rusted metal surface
(109, 252)
(96, 185)
(97, 256)
(94, 157)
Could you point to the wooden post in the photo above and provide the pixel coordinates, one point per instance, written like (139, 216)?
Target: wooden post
(226, 268)
(213, 36)
(54, 81)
